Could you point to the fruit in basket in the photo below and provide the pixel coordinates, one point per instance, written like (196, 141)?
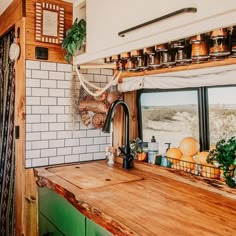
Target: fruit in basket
(187, 163)
(210, 171)
(189, 146)
(174, 155)
(201, 158)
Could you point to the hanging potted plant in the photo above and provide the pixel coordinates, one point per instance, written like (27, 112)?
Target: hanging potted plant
(225, 156)
(75, 39)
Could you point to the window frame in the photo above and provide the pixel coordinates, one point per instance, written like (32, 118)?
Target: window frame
(203, 110)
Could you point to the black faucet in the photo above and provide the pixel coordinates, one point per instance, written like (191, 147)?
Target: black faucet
(128, 157)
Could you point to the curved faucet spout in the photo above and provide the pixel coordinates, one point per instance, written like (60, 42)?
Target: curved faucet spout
(127, 161)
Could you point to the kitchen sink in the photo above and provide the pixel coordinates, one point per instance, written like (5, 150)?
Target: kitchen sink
(93, 175)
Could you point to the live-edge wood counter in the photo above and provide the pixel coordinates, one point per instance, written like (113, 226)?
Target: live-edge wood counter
(151, 205)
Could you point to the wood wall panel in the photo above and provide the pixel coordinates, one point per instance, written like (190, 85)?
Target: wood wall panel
(55, 52)
(11, 15)
(20, 121)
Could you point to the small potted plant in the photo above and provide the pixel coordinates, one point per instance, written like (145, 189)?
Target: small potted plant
(75, 39)
(225, 156)
(136, 149)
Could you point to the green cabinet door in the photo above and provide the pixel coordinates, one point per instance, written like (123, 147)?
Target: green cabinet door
(61, 213)
(93, 229)
(46, 228)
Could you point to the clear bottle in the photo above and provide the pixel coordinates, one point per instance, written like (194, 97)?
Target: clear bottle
(153, 150)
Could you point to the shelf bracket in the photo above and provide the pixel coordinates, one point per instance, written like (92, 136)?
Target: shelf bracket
(174, 13)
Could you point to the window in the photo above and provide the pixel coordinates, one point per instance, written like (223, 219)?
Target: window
(207, 114)
(222, 113)
(169, 116)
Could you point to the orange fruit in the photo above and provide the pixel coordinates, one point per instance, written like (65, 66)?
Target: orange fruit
(174, 153)
(187, 163)
(189, 146)
(201, 158)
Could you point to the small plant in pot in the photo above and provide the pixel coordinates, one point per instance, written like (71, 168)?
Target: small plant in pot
(225, 156)
(75, 39)
(137, 150)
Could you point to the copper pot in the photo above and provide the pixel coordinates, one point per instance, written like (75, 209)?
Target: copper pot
(221, 32)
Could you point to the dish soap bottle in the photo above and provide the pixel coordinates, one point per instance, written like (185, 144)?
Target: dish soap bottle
(153, 147)
(164, 160)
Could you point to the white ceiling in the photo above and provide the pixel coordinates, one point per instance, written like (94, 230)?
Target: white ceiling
(4, 4)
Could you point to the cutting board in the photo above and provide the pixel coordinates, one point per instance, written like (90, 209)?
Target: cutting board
(93, 175)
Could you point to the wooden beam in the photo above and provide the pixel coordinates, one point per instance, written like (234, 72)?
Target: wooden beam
(20, 121)
(11, 15)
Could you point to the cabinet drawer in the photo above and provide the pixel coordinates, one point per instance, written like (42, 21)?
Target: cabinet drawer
(93, 229)
(61, 213)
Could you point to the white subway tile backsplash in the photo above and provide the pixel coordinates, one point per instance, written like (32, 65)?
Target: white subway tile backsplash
(28, 163)
(32, 119)
(40, 110)
(86, 157)
(68, 76)
(48, 83)
(53, 137)
(33, 136)
(63, 84)
(64, 151)
(32, 64)
(56, 75)
(56, 143)
(42, 92)
(71, 158)
(64, 101)
(48, 118)
(100, 140)
(99, 156)
(32, 83)
(39, 127)
(39, 144)
(56, 126)
(56, 110)
(56, 160)
(56, 92)
(92, 148)
(79, 134)
(48, 152)
(93, 133)
(32, 101)
(48, 101)
(40, 162)
(78, 149)
(64, 134)
(86, 141)
(39, 74)
(71, 142)
(100, 78)
(51, 66)
(64, 67)
(94, 71)
(28, 73)
(32, 154)
(107, 72)
(48, 135)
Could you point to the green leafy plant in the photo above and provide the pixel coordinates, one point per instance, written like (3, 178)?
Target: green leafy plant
(75, 38)
(135, 146)
(225, 155)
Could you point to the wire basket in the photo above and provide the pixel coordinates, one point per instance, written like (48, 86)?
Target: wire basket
(208, 171)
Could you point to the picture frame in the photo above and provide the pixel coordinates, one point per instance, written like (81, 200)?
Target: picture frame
(49, 23)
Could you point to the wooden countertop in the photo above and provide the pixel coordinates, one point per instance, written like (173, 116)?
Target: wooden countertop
(147, 203)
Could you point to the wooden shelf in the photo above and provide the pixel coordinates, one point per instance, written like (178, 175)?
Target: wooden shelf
(228, 61)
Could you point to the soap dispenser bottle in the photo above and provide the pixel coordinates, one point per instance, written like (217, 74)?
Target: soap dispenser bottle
(153, 147)
(164, 160)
